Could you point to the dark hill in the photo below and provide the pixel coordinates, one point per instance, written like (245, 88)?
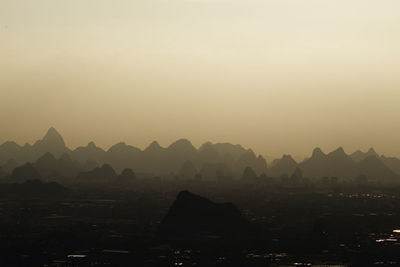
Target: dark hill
(193, 216)
(103, 173)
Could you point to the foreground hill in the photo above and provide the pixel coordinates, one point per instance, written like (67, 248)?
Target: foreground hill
(194, 216)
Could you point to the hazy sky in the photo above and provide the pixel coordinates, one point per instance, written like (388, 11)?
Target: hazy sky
(276, 75)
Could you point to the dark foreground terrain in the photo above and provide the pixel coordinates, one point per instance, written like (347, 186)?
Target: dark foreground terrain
(122, 225)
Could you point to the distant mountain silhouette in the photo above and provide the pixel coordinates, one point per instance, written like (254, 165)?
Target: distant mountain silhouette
(373, 168)
(90, 152)
(121, 156)
(285, 165)
(392, 162)
(215, 171)
(48, 165)
(207, 153)
(154, 159)
(89, 165)
(249, 159)
(10, 165)
(52, 142)
(359, 155)
(127, 175)
(99, 174)
(179, 152)
(9, 150)
(336, 163)
(249, 174)
(339, 164)
(235, 151)
(193, 216)
(297, 176)
(211, 161)
(68, 167)
(25, 172)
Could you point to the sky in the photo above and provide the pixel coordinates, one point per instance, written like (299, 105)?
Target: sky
(278, 76)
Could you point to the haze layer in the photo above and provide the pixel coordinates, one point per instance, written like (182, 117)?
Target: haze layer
(279, 76)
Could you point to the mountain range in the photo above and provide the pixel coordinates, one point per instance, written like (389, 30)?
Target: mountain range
(339, 164)
(50, 155)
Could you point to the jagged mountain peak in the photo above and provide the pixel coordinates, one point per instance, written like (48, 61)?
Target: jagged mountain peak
(372, 152)
(371, 159)
(53, 135)
(153, 146)
(338, 152)
(317, 153)
(91, 145)
(122, 147)
(9, 144)
(52, 142)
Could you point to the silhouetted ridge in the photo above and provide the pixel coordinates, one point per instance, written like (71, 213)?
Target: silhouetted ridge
(52, 142)
(103, 173)
(334, 164)
(249, 159)
(9, 150)
(46, 165)
(392, 162)
(339, 152)
(229, 149)
(286, 165)
(128, 175)
(122, 156)
(249, 174)
(154, 146)
(297, 176)
(91, 145)
(359, 155)
(192, 215)
(154, 160)
(182, 146)
(89, 152)
(374, 169)
(317, 153)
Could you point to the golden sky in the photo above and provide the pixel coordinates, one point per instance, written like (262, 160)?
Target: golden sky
(280, 76)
